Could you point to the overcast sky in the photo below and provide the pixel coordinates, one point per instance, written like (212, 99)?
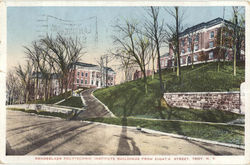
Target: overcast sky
(26, 24)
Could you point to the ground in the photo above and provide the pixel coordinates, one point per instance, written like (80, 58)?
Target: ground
(30, 134)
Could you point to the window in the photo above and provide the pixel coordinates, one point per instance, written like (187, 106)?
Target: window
(181, 60)
(86, 74)
(166, 62)
(93, 74)
(111, 83)
(86, 81)
(197, 37)
(78, 73)
(182, 42)
(189, 59)
(211, 44)
(211, 55)
(189, 49)
(81, 81)
(182, 51)
(190, 40)
(82, 74)
(195, 57)
(212, 34)
(196, 47)
(97, 83)
(92, 82)
(77, 81)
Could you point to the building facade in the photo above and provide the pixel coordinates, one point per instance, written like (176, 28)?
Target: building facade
(139, 74)
(198, 44)
(91, 76)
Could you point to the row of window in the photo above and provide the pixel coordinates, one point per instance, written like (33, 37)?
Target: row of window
(92, 82)
(211, 36)
(196, 47)
(78, 74)
(183, 59)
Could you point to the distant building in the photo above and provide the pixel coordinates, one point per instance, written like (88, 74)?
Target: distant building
(201, 39)
(91, 76)
(139, 74)
(53, 84)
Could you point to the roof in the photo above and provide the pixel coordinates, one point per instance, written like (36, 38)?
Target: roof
(92, 65)
(40, 75)
(202, 25)
(85, 64)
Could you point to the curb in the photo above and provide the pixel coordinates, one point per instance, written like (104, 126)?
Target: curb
(174, 135)
(107, 109)
(186, 121)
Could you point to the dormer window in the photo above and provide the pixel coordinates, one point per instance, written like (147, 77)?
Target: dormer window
(212, 34)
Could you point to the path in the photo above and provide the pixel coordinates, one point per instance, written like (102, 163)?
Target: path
(29, 134)
(93, 108)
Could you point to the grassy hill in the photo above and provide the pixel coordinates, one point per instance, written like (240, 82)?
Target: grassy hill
(130, 99)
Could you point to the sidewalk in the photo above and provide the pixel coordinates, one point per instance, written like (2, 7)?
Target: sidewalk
(93, 108)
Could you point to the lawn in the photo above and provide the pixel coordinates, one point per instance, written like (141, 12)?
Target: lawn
(73, 102)
(53, 99)
(216, 132)
(129, 99)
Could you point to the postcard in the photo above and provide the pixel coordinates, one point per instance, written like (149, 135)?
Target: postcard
(128, 82)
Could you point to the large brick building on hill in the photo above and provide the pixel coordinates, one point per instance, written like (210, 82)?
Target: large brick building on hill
(200, 42)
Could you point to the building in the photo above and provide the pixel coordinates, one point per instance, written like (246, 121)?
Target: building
(139, 74)
(52, 83)
(199, 42)
(91, 76)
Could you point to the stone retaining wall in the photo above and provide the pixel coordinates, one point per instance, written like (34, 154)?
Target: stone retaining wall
(228, 101)
(48, 108)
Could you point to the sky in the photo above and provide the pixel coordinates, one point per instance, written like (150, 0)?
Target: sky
(94, 25)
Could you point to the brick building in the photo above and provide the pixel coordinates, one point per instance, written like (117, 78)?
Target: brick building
(199, 41)
(92, 76)
(139, 74)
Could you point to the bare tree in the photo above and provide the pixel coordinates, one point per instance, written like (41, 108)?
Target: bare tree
(13, 88)
(191, 37)
(134, 45)
(25, 74)
(34, 54)
(65, 52)
(127, 64)
(154, 28)
(238, 35)
(174, 31)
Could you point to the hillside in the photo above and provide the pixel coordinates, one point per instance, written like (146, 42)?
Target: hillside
(130, 99)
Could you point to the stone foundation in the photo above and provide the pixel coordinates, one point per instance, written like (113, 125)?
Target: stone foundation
(227, 101)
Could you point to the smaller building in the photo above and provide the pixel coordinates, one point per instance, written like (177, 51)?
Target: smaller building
(139, 74)
(51, 82)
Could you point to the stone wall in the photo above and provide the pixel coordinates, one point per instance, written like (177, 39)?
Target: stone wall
(228, 101)
(48, 108)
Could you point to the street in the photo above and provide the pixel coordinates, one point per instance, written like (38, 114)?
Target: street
(30, 134)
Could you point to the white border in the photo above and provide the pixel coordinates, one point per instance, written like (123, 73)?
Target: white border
(3, 37)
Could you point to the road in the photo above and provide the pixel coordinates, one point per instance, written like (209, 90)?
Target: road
(30, 134)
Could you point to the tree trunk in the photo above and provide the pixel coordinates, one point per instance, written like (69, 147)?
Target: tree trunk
(178, 72)
(153, 73)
